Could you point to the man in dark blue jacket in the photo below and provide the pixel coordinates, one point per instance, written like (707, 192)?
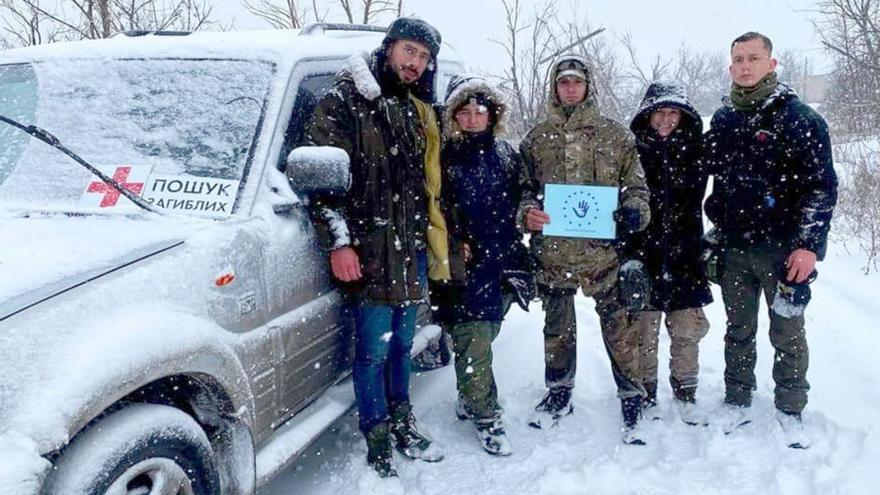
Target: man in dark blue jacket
(773, 197)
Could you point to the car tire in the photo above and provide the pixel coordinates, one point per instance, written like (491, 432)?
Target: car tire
(138, 450)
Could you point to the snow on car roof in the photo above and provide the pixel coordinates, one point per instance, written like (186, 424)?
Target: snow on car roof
(279, 46)
(270, 45)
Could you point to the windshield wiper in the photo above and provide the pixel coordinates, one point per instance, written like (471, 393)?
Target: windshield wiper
(46, 137)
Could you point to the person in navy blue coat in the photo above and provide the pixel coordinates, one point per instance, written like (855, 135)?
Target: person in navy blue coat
(669, 133)
(481, 194)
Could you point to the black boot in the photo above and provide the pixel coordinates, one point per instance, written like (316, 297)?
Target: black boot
(649, 402)
(688, 395)
(682, 393)
(406, 436)
(555, 404)
(651, 399)
(631, 408)
(379, 451)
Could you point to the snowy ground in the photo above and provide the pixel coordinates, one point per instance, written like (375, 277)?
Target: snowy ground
(584, 453)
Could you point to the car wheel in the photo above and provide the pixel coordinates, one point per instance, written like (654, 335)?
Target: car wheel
(141, 449)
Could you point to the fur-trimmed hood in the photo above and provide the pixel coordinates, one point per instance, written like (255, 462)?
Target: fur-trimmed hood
(461, 88)
(366, 69)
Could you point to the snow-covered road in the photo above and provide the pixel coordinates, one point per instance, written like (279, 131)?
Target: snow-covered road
(584, 453)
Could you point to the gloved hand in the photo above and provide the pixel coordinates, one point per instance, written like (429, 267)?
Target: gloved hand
(713, 264)
(522, 285)
(628, 219)
(791, 298)
(712, 258)
(634, 286)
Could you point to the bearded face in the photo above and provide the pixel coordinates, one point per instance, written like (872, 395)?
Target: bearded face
(409, 59)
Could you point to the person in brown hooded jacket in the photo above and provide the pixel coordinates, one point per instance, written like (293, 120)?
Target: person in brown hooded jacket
(376, 232)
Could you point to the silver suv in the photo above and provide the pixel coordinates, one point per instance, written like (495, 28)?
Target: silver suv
(173, 330)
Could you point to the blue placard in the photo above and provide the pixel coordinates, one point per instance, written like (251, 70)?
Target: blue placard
(580, 211)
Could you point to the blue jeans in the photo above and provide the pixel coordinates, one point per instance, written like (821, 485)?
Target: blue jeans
(382, 360)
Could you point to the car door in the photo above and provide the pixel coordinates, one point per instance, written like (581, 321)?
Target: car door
(314, 328)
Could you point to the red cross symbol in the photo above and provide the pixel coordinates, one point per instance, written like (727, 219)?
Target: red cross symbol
(111, 195)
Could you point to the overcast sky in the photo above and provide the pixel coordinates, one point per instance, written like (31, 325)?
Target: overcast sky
(657, 27)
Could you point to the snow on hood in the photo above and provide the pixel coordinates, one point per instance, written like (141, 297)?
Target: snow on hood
(71, 349)
(39, 253)
(666, 94)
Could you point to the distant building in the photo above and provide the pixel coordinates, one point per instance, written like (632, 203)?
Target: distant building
(814, 89)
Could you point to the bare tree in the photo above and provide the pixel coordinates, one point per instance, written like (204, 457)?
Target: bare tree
(31, 22)
(347, 10)
(620, 75)
(850, 31)
(795, 69)
(153, 15)
(704, 77)
(23, 23)
(371, 10)
(659, 68)
(528, 40)
(614, 89)
(374, 8)
(283, 14)
(532, 41)
(858, 209)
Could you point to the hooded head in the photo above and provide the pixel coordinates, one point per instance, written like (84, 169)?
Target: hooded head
(568, 69)
(465, 89)
(666, 94)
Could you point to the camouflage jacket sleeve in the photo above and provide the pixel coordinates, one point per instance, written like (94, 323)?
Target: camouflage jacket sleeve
(633, 189)
(331, 126)
(819, 183)
(528, 183)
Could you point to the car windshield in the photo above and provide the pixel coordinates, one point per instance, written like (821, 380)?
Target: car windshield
(177, 132)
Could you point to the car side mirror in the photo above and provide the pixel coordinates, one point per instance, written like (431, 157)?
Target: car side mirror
(319, 169)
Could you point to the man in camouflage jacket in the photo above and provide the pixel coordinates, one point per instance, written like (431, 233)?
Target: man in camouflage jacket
(576, 144)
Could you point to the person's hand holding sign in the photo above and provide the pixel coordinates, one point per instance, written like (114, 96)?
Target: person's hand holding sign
(535, 219)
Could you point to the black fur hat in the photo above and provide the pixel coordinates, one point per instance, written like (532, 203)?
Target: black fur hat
(413, 28)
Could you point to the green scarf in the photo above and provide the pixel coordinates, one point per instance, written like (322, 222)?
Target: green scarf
(750, 99)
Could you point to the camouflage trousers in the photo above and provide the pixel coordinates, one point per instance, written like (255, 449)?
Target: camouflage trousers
(686, 328)
(475, 380)
(619, 334)
(747, 273)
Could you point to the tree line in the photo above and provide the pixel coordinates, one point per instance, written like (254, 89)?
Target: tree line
(532, 34)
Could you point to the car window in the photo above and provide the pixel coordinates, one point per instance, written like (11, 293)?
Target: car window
(179, 131)
(309, 91)
(18, 100)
